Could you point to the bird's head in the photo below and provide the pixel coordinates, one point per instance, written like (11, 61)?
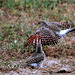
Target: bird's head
(41, 23)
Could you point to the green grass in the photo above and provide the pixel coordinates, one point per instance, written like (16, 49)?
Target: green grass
(17, 18)
(29, 4)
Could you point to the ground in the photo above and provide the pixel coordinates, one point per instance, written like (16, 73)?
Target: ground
(55, 66)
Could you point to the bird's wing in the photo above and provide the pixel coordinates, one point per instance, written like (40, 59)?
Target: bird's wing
(31, 39)
(47, 37)
(36, 59)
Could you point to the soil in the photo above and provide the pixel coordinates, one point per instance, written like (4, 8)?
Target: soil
(54, 66)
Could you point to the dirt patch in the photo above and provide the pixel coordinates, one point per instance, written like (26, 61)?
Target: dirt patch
(53, 66)
(65, 47)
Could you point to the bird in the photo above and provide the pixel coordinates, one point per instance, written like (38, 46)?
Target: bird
(48, 37)
(37, 58)
(56, 26)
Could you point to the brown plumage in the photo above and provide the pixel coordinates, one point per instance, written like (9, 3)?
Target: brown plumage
(37, 57)
(49, 33)
(47, 37)
(54, 25)
(65, 24)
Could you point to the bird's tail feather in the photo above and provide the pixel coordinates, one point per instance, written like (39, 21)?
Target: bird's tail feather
(63, 32)
(70, 30)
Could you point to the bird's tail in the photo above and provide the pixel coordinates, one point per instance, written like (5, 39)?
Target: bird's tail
(63, 32)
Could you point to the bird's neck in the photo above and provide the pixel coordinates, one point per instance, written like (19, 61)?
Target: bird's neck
(44, 24)
(39, 48)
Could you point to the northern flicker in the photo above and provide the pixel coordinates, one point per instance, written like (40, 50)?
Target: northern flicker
(48, 36)
(50, 32)
(37, 57)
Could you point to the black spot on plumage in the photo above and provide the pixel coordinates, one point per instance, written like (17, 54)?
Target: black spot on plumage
(47, 40)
